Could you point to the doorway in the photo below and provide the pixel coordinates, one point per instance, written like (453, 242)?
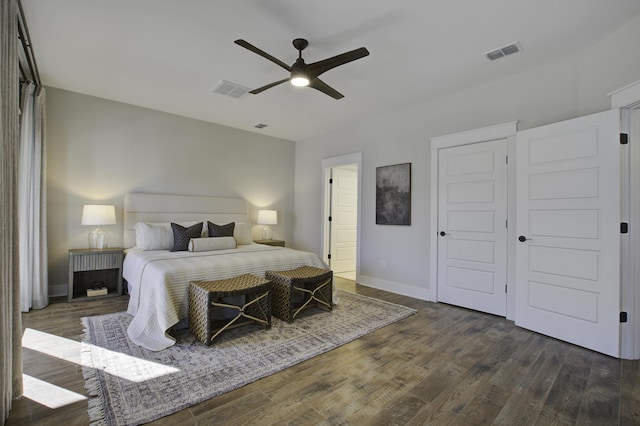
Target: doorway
(341, 228)
(344, 220)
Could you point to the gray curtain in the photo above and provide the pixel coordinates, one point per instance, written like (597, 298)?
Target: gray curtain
(10, 316)
(32, 200)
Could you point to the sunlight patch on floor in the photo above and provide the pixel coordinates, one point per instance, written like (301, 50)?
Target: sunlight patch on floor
(47, 394)
(124, 366)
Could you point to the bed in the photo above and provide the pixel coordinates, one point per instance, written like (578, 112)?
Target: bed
(158, 279)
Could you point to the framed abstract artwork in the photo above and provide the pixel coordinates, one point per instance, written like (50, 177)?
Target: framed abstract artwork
(393, 194)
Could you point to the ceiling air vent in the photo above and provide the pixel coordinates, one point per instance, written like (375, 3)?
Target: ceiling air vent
(504, 51)
(260, 126)
(230, 89)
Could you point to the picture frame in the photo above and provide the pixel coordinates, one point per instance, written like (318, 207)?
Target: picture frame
(393, 195)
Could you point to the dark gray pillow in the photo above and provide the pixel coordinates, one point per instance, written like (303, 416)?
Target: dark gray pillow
(182, 235)
(221, 230)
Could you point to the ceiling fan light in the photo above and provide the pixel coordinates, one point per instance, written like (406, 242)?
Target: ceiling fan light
(300, 81)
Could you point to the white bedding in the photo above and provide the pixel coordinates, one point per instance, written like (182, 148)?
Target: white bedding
(159, 282)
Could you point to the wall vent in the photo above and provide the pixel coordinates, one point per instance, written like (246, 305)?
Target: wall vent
(504, 51)
(233, 90)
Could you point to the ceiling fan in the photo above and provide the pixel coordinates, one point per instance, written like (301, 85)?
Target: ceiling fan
(303, 74)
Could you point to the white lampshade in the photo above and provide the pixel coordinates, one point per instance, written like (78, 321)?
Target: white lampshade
(267, 217)
(93, 214)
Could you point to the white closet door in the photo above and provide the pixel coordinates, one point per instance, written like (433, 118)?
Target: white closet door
(472, 214)
(568, 223)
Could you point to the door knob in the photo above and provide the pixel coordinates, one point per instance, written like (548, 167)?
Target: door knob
(522, 238)
(442, 233)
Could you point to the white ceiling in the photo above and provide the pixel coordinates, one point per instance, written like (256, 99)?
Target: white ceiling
(168, 54)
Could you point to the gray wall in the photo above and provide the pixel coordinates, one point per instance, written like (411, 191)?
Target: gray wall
(575, 86)
(99, 150)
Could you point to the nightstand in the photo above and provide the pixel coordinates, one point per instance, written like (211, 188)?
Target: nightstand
(95, 273)
(278, 243)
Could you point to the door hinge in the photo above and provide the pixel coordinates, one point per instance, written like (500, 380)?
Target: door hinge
(624, 228)
(506, 224)
(329, 256)
(330, 218)
(623, 317)
(624, 138)
(330, 181)
(505, 288)
(506, 159)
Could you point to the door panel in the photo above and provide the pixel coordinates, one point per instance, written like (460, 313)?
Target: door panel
(570, 223)
(471, 192)
(472, 221)
(568, 209)
(471, 279)
(344, 222)
(471, 251)
(472, 213)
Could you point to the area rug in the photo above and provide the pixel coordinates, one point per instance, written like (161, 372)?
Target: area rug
(131, 385)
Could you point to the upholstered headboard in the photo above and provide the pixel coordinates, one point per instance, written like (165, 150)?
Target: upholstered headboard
(159, 208)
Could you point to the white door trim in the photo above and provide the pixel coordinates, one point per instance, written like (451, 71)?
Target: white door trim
(500, 131)
(626, 97)
(628, 100)
(327, 165)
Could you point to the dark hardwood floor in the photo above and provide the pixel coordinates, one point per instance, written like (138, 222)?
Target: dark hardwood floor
(444, 365)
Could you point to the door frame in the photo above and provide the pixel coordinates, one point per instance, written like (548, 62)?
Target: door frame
(500, 131)
(327, 165)
(628, 100)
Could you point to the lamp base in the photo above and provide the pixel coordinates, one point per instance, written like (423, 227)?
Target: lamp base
(267, 234)
(98, 238)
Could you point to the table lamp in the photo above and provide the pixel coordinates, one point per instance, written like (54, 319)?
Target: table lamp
(266, 218)
(93, 214)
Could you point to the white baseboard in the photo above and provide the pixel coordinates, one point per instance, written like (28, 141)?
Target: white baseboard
(393, 287)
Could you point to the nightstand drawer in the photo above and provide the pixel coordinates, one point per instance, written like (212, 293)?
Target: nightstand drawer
(90, 262)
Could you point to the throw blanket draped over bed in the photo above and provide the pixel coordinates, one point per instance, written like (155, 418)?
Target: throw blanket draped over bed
(159, 282)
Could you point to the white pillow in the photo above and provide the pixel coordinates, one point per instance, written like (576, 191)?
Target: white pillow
(212, 243)
(155, 236)
(242, 233)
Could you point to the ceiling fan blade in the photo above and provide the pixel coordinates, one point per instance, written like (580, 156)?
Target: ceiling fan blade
(262, 53)
(268, 86)
(320, 85)
(317, 68)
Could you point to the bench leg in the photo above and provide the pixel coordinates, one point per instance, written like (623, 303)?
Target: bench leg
(312, 296)
(241, 313)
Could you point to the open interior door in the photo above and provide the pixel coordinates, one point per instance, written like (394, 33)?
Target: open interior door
(344, 219)
(568, 227)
